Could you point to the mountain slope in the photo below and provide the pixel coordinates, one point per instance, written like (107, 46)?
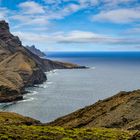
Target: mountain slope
(16, 127)
(119, 111)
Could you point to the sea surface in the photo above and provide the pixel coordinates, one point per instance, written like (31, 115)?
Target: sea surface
(68, 90)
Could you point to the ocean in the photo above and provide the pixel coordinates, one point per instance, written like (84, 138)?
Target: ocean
(69, 90)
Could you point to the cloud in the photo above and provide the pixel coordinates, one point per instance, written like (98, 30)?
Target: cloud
(31, 7)
(59, 9)
(80, 2)
(75, 37)
(33, 37)
(31, 12)
(91, 3)
(124, 15)
(30, 20)
(115, 3)
(3, 13)
(134, 30)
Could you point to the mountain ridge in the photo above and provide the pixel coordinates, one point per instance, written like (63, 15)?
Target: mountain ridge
(119, 111)
(36, 51)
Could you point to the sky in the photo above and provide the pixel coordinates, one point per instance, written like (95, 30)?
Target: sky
(75, 25)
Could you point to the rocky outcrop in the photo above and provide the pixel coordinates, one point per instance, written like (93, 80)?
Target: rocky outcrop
(51, 65)
(119, 111)
(36, 51)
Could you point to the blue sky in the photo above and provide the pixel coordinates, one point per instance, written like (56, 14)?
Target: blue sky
(75, 25)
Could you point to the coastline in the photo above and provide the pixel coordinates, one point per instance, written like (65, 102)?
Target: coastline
(118, 111)
(117, 117)
(21, 68)
(51, 65)
(77, 125)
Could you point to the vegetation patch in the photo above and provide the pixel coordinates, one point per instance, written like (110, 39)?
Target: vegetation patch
(24, 132)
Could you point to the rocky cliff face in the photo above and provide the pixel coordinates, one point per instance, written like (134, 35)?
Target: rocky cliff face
(119, 111)
(19, 67)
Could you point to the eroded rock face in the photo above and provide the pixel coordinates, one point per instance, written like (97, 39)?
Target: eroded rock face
(18, 67)
(12, 41)
(4, 26)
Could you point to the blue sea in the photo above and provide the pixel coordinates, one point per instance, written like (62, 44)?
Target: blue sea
(69, 90)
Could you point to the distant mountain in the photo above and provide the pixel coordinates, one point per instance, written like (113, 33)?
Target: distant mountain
(36, 51)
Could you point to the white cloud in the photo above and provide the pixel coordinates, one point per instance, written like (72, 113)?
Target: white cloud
(3, 13)
(134, 30)
(75, 37)
(2, 16)
(30, 20)
(53, 1)
(31, 7)
(31, 12)
(33, 37)
(128, 15)
(115, 3)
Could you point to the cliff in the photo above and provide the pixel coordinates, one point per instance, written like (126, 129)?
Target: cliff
(19, 67)
(120, 111)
